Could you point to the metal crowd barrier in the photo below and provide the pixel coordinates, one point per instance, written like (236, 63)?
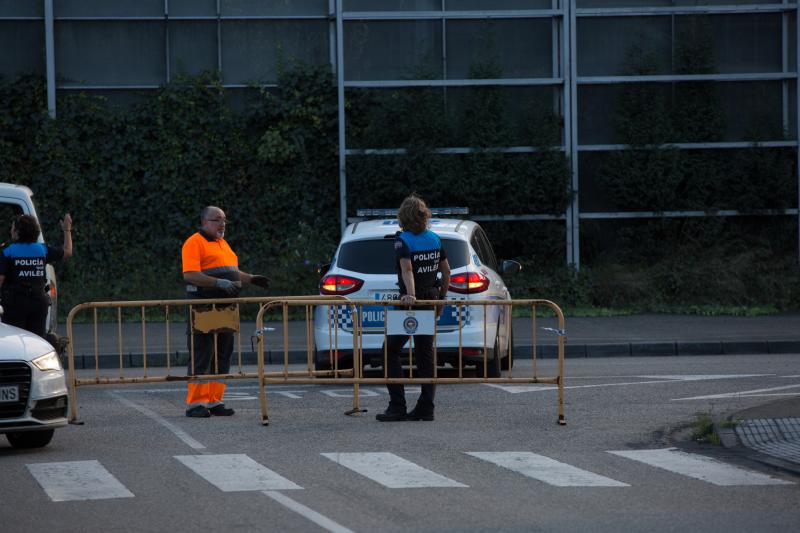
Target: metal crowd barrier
(355, 375)
(223, 315)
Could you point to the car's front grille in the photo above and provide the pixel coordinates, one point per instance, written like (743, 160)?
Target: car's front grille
(15, 374)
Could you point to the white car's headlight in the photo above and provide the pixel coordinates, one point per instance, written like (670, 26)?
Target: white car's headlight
(48, 361)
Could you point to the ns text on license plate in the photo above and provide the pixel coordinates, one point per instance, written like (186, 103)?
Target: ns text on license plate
(9, 393)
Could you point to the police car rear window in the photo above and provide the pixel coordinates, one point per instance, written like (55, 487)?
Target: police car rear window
(377, 256)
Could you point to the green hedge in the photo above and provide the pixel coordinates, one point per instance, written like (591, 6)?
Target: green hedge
(135, 179)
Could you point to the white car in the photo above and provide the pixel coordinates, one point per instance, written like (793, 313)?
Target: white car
(364, 269)
(33, 391)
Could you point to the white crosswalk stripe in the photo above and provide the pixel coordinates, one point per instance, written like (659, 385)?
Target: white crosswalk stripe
(547, 470)
(77, 480)
(699, 467)
(235, 472)
(391, 470)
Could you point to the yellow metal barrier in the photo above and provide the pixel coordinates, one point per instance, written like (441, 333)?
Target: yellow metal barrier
(205, 316)
(222, 315)
(355, 376)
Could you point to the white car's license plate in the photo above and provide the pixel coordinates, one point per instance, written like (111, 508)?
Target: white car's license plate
(9, 393)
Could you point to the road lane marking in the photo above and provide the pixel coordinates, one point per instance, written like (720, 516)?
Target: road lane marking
(699, 467)
(178, 432)
(77, 481)
(235, 472)
(547, 470)
(322, 521)
(391, 470)
(753, 392)
(339, 393)
(516, 389)
(702, 377)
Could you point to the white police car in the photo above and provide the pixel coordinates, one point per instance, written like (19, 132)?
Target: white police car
(33, 391)
(364, 269)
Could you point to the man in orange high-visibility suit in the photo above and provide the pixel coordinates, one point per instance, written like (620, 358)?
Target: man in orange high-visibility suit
(211, 270)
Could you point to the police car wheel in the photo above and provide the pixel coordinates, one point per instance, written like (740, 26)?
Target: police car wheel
(493, 364)
(507, 362)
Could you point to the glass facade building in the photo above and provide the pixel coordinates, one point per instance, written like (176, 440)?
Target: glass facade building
(575, 57)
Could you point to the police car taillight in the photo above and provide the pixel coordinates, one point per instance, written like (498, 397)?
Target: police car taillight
(339, 285)
(469, 283)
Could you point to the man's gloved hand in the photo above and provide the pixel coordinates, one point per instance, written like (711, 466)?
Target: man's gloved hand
(227, 285)
(260, 281)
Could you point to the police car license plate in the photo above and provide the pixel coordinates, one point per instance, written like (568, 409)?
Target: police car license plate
(9, 393)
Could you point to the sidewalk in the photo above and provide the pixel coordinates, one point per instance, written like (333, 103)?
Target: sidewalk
(770, 432)
(618, 336)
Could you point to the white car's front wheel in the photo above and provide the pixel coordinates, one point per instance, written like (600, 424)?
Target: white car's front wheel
(30, 439)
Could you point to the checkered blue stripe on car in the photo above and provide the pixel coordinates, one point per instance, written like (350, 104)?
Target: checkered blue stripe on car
(341, 316)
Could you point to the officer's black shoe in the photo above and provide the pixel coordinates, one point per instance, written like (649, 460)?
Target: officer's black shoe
(198, 411)
(418, 414)
(391, 416)
(221, 410)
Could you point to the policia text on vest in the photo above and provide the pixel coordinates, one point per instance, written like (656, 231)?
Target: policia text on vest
(23, 276)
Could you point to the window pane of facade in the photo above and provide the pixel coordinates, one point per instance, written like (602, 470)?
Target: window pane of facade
(598, 106)
(618, 45)
(104, 8)
(474, 5)
(192, 47)
(383, 50)
(15, 8)
(737, 43)
(792, 33)
(188, 8)
(252, 50)
(21, 47)
(677, 112)
(666, 3)
(510, 48)
(761, 118)
(392, 5)
(520, 113)
(260, 7)
(110, 53)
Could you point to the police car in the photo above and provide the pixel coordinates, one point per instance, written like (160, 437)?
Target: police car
(33, 391)
(363, 268)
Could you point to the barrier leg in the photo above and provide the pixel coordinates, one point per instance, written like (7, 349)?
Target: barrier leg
(358, 367)
(262, 386)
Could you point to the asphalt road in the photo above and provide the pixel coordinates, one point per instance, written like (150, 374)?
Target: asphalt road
(153, 469)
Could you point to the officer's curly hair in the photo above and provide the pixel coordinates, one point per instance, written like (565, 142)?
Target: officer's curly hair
(414, 214)
(27, 228)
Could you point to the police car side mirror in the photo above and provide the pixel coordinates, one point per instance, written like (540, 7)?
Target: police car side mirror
(322, 268)
(510, 267)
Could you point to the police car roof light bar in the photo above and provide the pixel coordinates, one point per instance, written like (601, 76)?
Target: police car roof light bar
(435, 211)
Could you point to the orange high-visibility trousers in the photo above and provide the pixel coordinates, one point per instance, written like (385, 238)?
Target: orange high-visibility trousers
(207, 394)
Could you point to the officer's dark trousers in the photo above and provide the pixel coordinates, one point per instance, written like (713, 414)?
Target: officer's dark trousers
(423, 359)
(204, 353)
(26, 311)
(204, 349)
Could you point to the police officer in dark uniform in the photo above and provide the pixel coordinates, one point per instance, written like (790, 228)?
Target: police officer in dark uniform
(23, 276)
(420, 257)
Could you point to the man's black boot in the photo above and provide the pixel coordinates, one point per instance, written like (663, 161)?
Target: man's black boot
(221, 410)
(420, 414)
(198, 411)
(391, 415)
